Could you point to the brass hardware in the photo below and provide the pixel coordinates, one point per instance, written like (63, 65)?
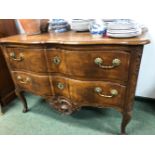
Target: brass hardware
(116, 62)
(99, 91)
(114, 92)
(99, 62)
(60, 85)
(27, 80)
(56, 60)
(13, 56)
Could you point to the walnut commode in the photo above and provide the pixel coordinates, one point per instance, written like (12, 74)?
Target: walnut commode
(72, 70)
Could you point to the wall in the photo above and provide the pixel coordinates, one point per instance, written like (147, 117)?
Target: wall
(146, 80)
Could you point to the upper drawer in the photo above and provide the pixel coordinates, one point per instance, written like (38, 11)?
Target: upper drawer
(26, 59)
(91, 64)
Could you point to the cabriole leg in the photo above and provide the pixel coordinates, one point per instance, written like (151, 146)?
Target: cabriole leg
(23, 99)
(125, 120)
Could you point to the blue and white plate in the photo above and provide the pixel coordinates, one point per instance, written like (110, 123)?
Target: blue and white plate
(58, 25)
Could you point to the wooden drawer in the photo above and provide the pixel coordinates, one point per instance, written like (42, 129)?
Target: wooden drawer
(96, 93)
(89, 93)
(91, 64)
(26, 59)
(37, 84)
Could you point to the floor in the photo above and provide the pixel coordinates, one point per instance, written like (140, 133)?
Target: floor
(43, 120)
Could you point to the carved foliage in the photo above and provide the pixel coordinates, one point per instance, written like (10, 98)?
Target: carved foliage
(63, 105)
(134, 70)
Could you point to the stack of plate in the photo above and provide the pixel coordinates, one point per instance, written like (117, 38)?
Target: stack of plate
(123, 29)
(58, 25)
(80, 24)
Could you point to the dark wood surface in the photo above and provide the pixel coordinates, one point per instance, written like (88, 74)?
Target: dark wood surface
(7, 28)
(62, 69)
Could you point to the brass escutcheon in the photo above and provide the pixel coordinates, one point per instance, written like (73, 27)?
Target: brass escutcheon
(60, 85)
(56, 60)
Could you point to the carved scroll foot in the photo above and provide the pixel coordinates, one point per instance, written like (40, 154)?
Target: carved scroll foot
(1, 112)
(23, 99)
(125, 120)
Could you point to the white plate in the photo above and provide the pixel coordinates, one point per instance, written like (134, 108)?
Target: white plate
(79, 29)
(128, 35)
(123, 24)
(83, 26)
(124, 31)
(81, 20)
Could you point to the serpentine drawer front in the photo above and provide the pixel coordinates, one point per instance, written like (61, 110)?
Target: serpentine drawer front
(72, 70)
(26, 59)
(86, 93)
(108, 64)
(95, 93)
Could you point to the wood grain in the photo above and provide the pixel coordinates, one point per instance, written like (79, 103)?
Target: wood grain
(38, 84)
(73, 38)
(33, 59)
(70, 82)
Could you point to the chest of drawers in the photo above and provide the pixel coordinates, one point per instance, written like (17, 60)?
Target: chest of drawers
(72, 70)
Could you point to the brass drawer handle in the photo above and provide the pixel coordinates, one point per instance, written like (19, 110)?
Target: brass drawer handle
(99, 91)
(13, 56)
(56, 60)
(23, 81)
(99, 62)
(60, 85)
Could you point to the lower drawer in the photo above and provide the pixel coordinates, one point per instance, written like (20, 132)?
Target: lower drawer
(97, 93)
(36, 84)
(90, 93)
